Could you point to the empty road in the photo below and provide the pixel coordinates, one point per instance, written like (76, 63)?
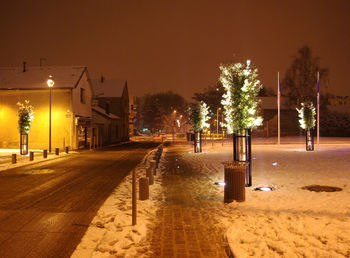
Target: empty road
(45, 208)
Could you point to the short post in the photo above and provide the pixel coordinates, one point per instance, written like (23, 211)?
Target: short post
(143, 189)
(14, 158)
(67, 149)
(149, 175)
(57, 151)
(153, 166)
(134, 197)
(31, 155)
(45, 154)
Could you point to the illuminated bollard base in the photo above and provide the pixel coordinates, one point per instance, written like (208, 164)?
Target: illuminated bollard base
(143, 189)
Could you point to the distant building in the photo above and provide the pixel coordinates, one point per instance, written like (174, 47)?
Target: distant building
(105, 126)
(132, 115)
(113, 97)
(289, 117)
(71, 106)
(339, 103)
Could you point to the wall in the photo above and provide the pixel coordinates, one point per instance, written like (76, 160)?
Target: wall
(104, 123)
(82, 109)
(61, 121)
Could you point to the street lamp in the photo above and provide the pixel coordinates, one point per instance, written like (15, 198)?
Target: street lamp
(174, 125)
(217, 122)
(50, 83)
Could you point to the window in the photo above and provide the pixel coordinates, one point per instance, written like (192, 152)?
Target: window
(82, 95)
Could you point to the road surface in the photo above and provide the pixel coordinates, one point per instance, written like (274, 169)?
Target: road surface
(45, 208)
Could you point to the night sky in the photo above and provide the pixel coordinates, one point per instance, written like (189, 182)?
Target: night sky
(176, 45)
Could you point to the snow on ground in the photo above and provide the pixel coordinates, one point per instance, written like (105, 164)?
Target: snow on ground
(111, 233)
(23, 160)
(290, 221)
(287, 222)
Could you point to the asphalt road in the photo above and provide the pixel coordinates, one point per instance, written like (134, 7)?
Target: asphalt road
(45, 208)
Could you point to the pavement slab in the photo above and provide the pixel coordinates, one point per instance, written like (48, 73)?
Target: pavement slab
(184, 227)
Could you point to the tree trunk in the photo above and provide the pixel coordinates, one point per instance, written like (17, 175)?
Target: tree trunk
(242, 151)
(23, 144)
(309, 140)
(197, 142)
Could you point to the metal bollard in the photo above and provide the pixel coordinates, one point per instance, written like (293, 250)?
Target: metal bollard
(134, 196)
(45, 154)
(153, 163)
(57, 151)
(149, 175)
(31, 155)
(14, 158)
(143, 188)
(67, 150)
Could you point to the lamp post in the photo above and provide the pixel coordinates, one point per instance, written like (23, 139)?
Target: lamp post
(174, 125)
(217, 122)
(50, 83)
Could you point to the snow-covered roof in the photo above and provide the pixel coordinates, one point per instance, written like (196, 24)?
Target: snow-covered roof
(108, 87)
(103, 112)
(35, 77)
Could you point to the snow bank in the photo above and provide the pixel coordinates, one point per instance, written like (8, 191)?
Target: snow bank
(111, 232)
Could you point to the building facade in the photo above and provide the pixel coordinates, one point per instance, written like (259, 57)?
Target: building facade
(71, 113)
(113, 97)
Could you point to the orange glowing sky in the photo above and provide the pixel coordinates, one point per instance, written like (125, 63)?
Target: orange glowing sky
(176, 45)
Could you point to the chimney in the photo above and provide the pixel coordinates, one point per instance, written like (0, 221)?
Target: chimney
(102, 79)
(24, 66)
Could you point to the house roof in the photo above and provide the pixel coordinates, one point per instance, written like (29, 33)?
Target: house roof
(35, 77)
(103, 112)
(108, 88)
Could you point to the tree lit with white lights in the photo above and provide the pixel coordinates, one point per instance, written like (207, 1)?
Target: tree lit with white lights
(307, 122)
(199, 117)
(240, 99)
(307, 115)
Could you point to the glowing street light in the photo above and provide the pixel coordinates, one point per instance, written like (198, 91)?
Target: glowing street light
(50, 83)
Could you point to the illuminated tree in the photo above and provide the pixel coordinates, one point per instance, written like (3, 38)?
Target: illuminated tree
(198, 118)
(307, 122)
(241, 108)
(25, 116)
(307, 114)
(240, 99)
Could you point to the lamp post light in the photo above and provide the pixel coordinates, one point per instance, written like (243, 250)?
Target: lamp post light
(50, 83)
